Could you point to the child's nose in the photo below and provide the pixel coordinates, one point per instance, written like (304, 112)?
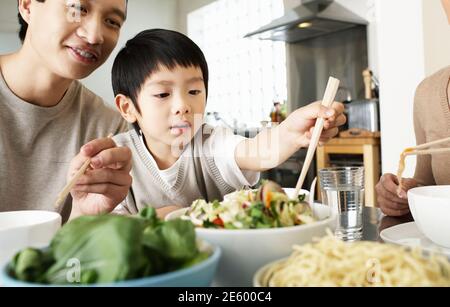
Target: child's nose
(181, 108)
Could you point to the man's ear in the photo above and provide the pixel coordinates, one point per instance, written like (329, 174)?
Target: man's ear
(24, 9)
(126, 108)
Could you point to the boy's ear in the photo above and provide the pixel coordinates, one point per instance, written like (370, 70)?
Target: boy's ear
(24, 9)
(126, 108)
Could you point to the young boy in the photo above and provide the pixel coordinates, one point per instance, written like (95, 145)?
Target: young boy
(160, 79)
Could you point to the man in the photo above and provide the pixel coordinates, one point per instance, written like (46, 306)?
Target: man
(46, 115)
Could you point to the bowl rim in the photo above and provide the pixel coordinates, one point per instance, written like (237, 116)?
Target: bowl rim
(306, 192)
(278, 230)
(52, 216)
(262, 270)
(213, 258)
(416, 191)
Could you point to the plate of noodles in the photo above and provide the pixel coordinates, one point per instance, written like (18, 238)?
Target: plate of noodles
(331, 262)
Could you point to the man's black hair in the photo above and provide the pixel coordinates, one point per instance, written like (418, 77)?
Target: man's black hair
(144, 54)
(24, 25)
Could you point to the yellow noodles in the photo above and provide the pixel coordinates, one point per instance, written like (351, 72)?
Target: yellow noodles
(331, 262)
(401, 168)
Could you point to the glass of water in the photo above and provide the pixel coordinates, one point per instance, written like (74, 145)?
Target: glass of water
(343, 191)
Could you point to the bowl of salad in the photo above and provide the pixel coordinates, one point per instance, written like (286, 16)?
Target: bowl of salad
(254, 227)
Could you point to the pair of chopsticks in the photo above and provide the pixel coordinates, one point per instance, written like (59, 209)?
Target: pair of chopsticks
(328, 99)
(424, 148)
(66, 190)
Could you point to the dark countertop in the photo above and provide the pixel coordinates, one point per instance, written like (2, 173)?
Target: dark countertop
(374, 221)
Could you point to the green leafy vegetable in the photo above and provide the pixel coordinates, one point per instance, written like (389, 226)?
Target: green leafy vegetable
(106, 249)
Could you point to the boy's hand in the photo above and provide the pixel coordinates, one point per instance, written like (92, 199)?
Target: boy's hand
(106, 182)
(300, 124)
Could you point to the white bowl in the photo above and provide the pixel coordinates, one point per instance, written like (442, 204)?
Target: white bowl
(430, 207)
(245, 251)
(22, 229)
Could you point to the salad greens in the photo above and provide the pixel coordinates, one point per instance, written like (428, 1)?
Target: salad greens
(267, 207)
(111, 248)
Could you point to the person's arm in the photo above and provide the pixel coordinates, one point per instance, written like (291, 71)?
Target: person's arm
(273, 146)
(423, 173)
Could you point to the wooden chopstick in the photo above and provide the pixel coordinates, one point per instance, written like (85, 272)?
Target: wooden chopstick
(66, 190)
(426, 151)
(328, 99)
(429, 144)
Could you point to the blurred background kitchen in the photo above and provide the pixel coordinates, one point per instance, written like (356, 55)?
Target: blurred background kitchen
(268, 57)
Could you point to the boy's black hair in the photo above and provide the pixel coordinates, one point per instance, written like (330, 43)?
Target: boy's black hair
(146, 52)
(24, 25)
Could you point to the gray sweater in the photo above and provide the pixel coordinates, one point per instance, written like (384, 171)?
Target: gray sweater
(198, 175)
(37, 145)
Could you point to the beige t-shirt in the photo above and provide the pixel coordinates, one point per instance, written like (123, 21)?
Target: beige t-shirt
(37, 144)
(431, 123)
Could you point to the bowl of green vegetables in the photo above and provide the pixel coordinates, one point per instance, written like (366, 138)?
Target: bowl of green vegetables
(122, 251)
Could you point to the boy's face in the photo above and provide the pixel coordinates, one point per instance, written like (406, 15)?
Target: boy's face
(172, 104)
(72, 38)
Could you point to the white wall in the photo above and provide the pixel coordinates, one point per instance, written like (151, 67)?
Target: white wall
(410, 50)
(437, 37)
(187, 6)
(402, 67)
(142, 14)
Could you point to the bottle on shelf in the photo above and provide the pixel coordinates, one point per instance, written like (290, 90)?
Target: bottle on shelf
(278, 113)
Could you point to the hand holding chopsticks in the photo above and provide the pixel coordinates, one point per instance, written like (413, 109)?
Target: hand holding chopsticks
(328, 99)
(66, 190)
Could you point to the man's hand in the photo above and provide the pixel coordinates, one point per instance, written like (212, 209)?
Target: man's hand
(389, 202)
(106, 182)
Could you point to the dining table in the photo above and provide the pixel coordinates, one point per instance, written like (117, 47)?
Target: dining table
(374, 221)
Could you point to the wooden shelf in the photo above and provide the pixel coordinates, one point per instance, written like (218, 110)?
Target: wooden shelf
(368, 147)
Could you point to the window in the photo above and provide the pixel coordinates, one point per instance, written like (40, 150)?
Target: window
(246, 75)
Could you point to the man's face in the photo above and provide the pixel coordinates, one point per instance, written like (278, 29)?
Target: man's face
(72, 38)
(446, 5)
(172, 103)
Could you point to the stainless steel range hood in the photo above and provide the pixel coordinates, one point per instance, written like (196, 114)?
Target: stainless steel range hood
(311, 19)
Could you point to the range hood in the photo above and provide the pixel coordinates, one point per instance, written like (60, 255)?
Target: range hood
(311, 19)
